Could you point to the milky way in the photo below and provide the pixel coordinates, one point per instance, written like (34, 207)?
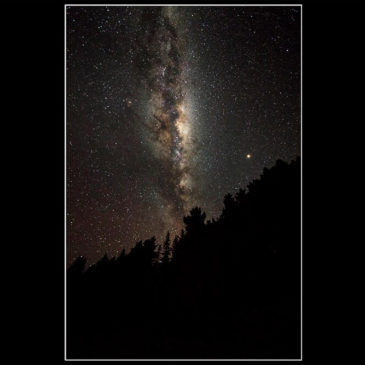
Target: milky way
(169, 108)
(169, 123)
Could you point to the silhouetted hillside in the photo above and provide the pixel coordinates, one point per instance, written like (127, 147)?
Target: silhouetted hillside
(228, 288)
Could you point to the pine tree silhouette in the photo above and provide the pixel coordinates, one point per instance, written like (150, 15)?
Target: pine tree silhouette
(228, 288)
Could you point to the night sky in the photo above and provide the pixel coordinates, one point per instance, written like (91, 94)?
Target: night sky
(172, 107)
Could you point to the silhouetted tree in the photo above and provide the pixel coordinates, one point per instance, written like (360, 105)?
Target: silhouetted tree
(166, 250)
(77, 267)
(231, 288)
(195, 221)
(175, 244)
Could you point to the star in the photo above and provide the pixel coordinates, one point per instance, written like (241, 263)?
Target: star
(162, 116)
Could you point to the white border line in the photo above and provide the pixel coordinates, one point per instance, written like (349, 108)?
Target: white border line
(192, 5)
(301, 179)
(183, 359)
(65, 183)
(301, 183)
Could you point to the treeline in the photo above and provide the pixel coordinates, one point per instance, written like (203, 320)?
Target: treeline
(225, 288)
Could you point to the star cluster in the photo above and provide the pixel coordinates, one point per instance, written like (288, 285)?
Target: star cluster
(172, 107)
